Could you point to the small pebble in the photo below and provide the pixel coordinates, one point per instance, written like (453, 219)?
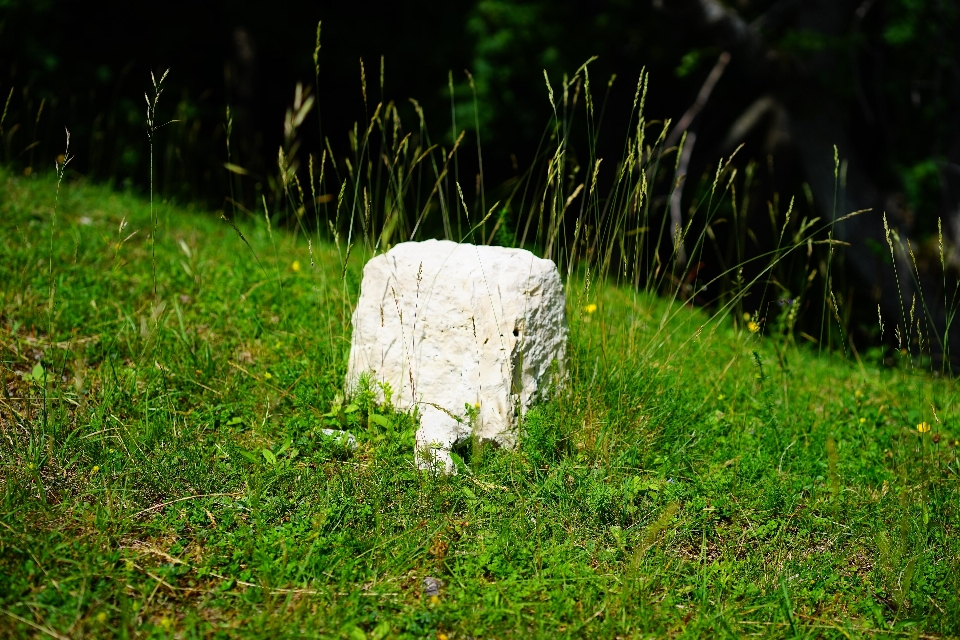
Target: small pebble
(345, 438)
(431, 587)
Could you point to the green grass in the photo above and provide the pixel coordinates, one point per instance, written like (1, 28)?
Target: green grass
(164, 471)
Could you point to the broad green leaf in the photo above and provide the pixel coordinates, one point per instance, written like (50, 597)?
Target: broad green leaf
(249, 456)
(380, 420)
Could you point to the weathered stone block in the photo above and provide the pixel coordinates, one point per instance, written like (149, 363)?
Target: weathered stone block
(467, 334)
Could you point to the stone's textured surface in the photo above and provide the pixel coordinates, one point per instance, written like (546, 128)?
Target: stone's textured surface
(467, 334)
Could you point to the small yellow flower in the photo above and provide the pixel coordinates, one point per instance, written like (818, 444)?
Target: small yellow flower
(753, 327)
(746, 316)
(95, 469)
(858, 394)
(923, 427)
(590, 308)
(102, 617)
(267, 376)
(862, 420)
(721, 397)
(434, 599)
(296, 265)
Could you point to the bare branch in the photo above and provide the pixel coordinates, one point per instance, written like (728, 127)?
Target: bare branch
(700, 102)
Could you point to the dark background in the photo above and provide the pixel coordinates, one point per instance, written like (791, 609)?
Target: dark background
(879, 79)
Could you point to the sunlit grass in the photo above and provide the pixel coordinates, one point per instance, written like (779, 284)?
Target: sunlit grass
(165, 469)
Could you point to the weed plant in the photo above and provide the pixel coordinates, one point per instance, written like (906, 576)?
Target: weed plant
(167, 469)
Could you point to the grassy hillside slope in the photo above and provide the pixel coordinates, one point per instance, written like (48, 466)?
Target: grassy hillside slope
(164, 471)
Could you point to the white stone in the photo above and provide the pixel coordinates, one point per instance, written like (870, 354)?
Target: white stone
(450, 326)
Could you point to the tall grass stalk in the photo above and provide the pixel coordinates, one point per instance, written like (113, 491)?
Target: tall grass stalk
(61, 168)
(152, 128)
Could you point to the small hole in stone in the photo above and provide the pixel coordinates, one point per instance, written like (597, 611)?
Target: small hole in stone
(516, 332)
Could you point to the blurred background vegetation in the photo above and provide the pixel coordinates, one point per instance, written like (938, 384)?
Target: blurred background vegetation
(789, 80)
